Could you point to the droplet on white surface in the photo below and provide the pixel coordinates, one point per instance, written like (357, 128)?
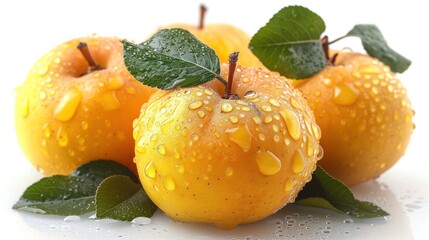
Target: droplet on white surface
(72, 218)
(141, 220)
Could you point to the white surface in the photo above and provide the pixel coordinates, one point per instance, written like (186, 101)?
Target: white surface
(31, 28)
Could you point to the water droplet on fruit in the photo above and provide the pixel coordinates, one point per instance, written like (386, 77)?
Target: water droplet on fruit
(268, 119)
(130, 90)
(24, 107)
(245, 80)
(327, 82)
(369, 70)
(268, 163)
(241, 136)
(68, 104)
(229, 172)
(62, 137)
(161, 149)
(257, 120)
(288, 185)
(319, 153)
(108, 101)
(266, 108)
(195, 105)
(115, 82)
(180, 168)
(42, 69)
(297, 164)
(169, 183)
(292, 123)
(345, 94)
(233, 119)
(201, 114)
(150, 170)
(274, 102)
(42, 95)
(310, 150)
(46, 130)
(295, 103)
(250, 95)
(84, 125)
(226, 107)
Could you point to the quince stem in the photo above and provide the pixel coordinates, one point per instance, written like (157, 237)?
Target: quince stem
(203, 10)
(233, 58)
(325, 46)
(93, 65)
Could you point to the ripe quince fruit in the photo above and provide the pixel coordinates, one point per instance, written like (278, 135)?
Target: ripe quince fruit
(204, 158)
(70, 111)
(364, 113)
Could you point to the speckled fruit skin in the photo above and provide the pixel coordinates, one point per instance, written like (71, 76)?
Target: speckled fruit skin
(224, 39)
(64, 119)
(364, 114)
(202, 158)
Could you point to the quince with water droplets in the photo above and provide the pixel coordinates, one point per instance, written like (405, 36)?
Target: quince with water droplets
(203, 158)
(364, 114)
(223, 38)
(66, 116)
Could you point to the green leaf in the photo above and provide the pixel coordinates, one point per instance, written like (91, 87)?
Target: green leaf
(118, 197)
(290, 43)
(376, 46)
(171, 58)
(69, 195)
(325, 191)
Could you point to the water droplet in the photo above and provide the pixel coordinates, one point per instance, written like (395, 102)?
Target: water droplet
(180, 168)
(295, 103)
(108, 101)
(169, 183)
(245, 80)
(233, 119)
(201, 114)
(274, 102)
(46, 130)
(84, 125)
(348, 220)
(24, 107)
(62, 137)
(370, 69)
(288, 185)
(226, 107)
(68, 104)
(327, 82)
(42, 95)
(345, 94)
(141, 220)
(43, 69)
(268, 163)
(292, 123)
(241, 136)
(115, 82)
(195, 105)
(130, 90)
(154, 137)
(268, 119)
(316, 130)
(161, 149)
(310, 150)
(150, 170)
(229, 172)
(71, 218)
(267, 108)
(297, 163)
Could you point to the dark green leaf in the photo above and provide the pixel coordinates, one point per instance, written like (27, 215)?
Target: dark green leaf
(325, 191)
(58, 195)
(118, 197)
(376, 46)
(290, 43)
(70, 195)
(171, 58)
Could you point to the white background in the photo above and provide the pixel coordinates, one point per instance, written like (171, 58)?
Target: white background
(29, 29)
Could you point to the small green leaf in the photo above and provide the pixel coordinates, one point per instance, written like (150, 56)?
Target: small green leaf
(290, 43)
(376, 46)
(171, 58)
(118, 197)
(70, 195)
(325, 191)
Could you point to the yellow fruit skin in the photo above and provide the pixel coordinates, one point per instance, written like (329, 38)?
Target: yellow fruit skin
(205, 159)
(64, 119)
(364, 114)
(224, 39)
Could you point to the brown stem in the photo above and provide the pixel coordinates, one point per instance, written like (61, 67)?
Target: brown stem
(203, 10)
(233, 58)
(325, 46)
(93, 66)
